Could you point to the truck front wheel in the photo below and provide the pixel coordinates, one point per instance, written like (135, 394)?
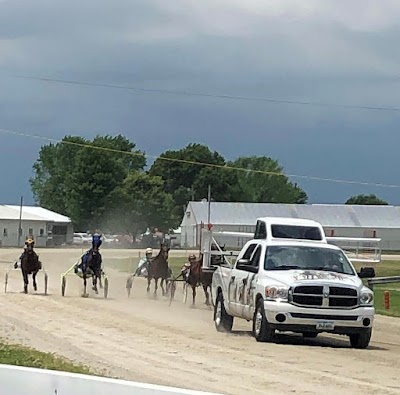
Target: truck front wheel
(223, 321)
(361, 340)
(262, 331)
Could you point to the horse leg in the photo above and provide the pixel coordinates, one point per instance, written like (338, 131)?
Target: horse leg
(194, 295)
(155, 287)
(148, 283)
(34, 280)
(207, 295)
(84, 286)
(162, 287)
(99, 277)
(94, 279)
(26, 281)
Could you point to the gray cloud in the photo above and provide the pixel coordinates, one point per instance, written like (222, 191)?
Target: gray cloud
(330, 51)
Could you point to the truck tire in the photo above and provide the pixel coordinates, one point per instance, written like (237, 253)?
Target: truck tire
(261, 328)
(361, 340)
(223, 321)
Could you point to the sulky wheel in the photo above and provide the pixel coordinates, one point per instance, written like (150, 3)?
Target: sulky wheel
(129, 283)
(185, 292)
(5, 283)
(63, 285)
(106, 287)
(46, 281)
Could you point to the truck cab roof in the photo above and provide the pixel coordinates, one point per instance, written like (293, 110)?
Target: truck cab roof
(277, 228)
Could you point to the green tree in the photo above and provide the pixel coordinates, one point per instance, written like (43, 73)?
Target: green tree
(141, 202)
(52, 173)
(255, 186)
(185, 180)
(77, 176)
(366, 199)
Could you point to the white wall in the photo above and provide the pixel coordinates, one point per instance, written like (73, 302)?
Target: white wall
(22, 381)
(11, 239)
(191, 235)
(390, 237)
(189, 230)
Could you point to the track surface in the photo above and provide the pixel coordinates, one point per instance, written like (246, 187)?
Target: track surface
(146, 340)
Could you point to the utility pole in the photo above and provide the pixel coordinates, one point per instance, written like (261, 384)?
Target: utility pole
(20, 222)
(207, 255)
(209, 204)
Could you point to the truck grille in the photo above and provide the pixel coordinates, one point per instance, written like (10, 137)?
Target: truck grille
(324, 296)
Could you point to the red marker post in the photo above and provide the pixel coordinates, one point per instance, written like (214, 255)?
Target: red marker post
(386, 295)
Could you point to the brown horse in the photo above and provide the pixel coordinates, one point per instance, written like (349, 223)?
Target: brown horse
(199, 276)
(202, 276)
(158, 268)
(30, 264)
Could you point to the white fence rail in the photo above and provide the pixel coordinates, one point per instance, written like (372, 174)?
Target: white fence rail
(359, 249)
(15, 380)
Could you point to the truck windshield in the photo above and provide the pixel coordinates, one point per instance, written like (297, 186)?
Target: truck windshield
(307, 258)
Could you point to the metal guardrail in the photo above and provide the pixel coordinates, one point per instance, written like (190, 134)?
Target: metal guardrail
(383, 280)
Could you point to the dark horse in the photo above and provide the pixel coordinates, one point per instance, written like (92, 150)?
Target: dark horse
(90, 265)
(202, 276)
(30, 264)
(158, 268)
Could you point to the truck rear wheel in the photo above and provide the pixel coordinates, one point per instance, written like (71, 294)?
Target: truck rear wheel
(223, 321)
(262, 331)
(361, 340)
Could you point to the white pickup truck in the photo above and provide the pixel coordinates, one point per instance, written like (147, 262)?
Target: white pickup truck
(288, 278)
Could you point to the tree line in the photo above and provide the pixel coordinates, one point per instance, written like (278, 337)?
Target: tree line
(106, 182)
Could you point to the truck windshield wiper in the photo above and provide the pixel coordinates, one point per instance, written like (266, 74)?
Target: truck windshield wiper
(286, 267)
(327, 269)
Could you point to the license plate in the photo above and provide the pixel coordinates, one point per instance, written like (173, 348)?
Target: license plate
(326, 325)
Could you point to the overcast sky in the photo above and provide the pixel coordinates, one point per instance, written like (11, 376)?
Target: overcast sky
(340, 51)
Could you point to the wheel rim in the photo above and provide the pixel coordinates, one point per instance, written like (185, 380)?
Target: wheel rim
(258, 322)
(218, 313)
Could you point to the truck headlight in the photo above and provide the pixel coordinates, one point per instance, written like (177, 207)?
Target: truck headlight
(276, 293)
(366, 298)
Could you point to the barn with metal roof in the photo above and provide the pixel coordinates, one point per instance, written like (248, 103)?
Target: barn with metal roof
(338, 220)
(47, 227)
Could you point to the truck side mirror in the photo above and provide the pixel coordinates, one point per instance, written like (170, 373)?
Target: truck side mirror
(244, 264)
(366, 272)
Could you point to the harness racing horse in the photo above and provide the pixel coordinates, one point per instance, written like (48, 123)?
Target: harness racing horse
(158, 268)
(90, 266)
(202, 276)
(30, 264)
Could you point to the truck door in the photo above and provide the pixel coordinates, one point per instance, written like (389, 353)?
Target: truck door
(236, 278)
(246, 284)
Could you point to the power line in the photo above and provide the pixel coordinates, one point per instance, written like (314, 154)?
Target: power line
(208, 95)
(210, 165)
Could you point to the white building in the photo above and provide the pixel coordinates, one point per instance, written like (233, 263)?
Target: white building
(338, 220)
(47, 227)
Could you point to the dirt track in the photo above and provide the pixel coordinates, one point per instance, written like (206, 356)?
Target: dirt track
(146, 340)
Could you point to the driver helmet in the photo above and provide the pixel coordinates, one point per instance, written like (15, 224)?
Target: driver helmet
(29, 241)
(96, 240)
(149, 251)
